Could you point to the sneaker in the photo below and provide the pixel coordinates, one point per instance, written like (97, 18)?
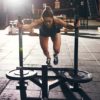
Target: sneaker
(55, 59)
(48, 61)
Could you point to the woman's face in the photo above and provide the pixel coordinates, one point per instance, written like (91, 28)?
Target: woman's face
(48, 21)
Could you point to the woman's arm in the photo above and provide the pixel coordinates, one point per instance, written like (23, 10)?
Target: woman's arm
(34, 24)
(65, 24)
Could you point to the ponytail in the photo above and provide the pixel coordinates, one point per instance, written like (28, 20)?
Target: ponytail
(47, 12)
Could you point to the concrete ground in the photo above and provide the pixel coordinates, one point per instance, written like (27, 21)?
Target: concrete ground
(89, 60)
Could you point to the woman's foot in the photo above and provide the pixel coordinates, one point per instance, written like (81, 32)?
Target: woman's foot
(48, 61)
(55, 59)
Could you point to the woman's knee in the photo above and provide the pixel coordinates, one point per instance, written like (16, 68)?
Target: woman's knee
(56, 50)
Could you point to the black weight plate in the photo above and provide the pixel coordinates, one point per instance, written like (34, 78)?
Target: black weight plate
(15, 74)
(81, 77)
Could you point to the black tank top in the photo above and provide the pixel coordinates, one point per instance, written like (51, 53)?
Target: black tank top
(45, 31)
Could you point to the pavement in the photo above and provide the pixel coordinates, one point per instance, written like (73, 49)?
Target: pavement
(88, 60)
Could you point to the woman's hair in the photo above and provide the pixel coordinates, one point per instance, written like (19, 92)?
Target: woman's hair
(47, 12)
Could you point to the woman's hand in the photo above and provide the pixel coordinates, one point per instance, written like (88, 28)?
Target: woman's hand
(19, 25)
(76, 22)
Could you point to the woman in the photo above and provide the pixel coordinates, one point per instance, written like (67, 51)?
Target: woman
(49, 27)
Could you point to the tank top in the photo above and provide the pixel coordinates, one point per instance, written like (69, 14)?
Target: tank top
(45, 31)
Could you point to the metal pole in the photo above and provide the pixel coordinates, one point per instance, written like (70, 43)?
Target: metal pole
(44, 82)
(20, 45)
(76, 18)
(76, 47)
(21, 81)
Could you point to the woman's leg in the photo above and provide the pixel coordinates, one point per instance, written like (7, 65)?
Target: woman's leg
(56, 46)
(56, 43)
(44, 46)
